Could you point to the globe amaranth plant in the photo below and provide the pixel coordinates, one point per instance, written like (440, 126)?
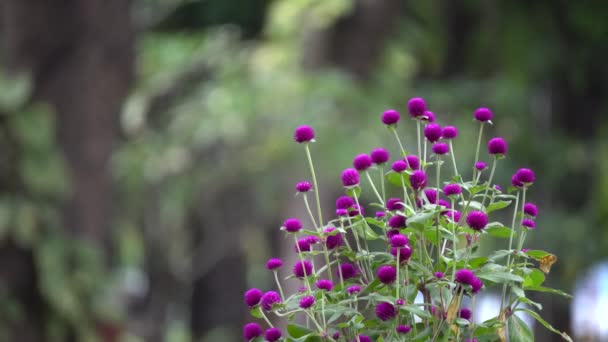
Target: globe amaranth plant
(427, 241)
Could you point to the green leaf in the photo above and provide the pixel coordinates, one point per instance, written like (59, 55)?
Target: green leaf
(534, 279)
(499, 232)
(497, 206)
(255, 312)
(395, 179)
(477, 188)
(416, 311)
(537, 254)
(499, 254)
(548, 290)
(370, 234)
(545, 324)
(296, 330)
(418, 220)
(530, 302)
(354, 191)
(518, 330)
(375, 222)
(501, 277)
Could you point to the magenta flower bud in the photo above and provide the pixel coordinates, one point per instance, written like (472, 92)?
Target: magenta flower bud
(476, 285)
(307, 301)
(497, 146)
(483, 114)
(392, 232)
(387, 274)
(312, 239)
(325, 284)
(440, 148)
(399, 240)
(274, 263)
(269, 298)
(344, 202)
(356, 210)
(363, 338)
(428, 116)
(397, 221)
(385, 311)
(399, 302)
(439, 275)
(353, 289)
(497, 187)
(348, 270)
(251, 331)
(405, 253)
(530, 209)
(444, 203)
(413, 162)
(379, 155)
(416, 106)
(480, 166)
(303, 245)
(380, 214)
(304, 134)
(292, 225)
(452, 189)
(272, 334)
(390, 117)
(418, 180)
(350, 177)
(399, 166)
(362, 162)
(530, 224)
(450, 132)
(302, 268)
(341, 212)
(477, 220)
(332, 241)
(464, 276)
(466, 313)
(516, 182)
(403, 329)
(303, 186)
(431, 195)
(394, 204)
(336, 335)
(253, 297)
(525, 176)
(433, 132)
(452, 215)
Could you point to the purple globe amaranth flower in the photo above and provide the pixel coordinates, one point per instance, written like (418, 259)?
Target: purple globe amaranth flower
(439, 275)
(416, 106)
(362, 162)
(251, 331)
(440, 148)
(304, 134)
(403, 329)
(516, 182)
(433, 132)
(431, 195)
(497, 187)
(356, 210)
(452, 214)
(428, 116)
(399, 302)
(362, 338)
(353, 289)
(302, 245)
(477, 220)
(465, 313)
(397, 221)
(476, 285)
(497, 146)
(344, 202)
(450, 132)
(269, 298)
(530, 224)
(303, 186)
(399, 166)
(385, 311)
(341, 212)
(350, 177)
(292, 225)
(307, 301)
(525, 176)
(399, 240)
(444, 203)
(253, 297)
(348, 270)
(379, 155)
(394, 204)
(464, 276)
(272, 334)
(418, 180)
(387, 274)
(480, 166)
(413, 162)
(405, 253)
(312, 239)
(530, 209)
(452, 189)
(302, 268)
(274, 263)
(332, 240)
(335, 335)
(483, 114)
(325, 284)
(380, 214)
(390, 117)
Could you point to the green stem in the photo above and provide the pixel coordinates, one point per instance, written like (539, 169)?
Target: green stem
(265, 318)
(398, 267)
(382, 183)
(312, 217)
(454, 160)
(437, 218)
(477, 149)
(276, 278)
(485, 193)
(419, 148)
(455, 243)
(504, 286)
(369, 178)
(314, 180)
(306, 281)
(403, 152)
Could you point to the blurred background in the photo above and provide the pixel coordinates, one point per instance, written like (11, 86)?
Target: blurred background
(147, 158)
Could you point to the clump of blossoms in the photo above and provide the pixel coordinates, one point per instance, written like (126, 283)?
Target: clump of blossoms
(425, 224)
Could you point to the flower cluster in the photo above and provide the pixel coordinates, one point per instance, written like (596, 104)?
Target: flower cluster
(426, 227)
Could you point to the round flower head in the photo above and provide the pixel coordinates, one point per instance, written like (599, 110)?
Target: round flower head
(341, 212)
(253, 296)
(497, 187)
(477, 220)
(274, 263)
(399, 302)
(403, 329)
(344, 202)
(497, 146)
(362, 162)
(440, 148)
(348, 270)
(387, 274)
(392, 232)
(431, 195)
(433, 132)
(464, 276)
(303, 186)
(353, 289)
(356, 210)
(530, 209)
(528, 223)
(428, 116)
(332, 241)
(439, 275)
(525, 176)
(302, 267)
(516, 182)
(292, 225)
(452, 189)
(307, 301)
(397, 221)
(452, 215)
(251, 331)
(483, 114)
(465, 313)
(476, 284)
(450, 132)
(480, 166)
(385, 311)
(444, 203)
(413, 162)
(405, 253)
(399, 240)
(418, 180)
(399, 166)
(303, 245)
(380, 214)
(390, 117)
(363, 338)
(269, 298)
(272, 334)
(350, 177)
(416, 106)
(379, 155)
(336, 335)
(304, 134)
(394, 204)
(312, 239)
(325, 284)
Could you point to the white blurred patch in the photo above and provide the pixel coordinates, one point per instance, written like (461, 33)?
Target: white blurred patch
(590, 304)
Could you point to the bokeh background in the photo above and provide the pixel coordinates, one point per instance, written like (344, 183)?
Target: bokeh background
(147, 161)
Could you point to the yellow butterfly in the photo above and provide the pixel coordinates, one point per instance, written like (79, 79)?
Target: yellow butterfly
(546, 262)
